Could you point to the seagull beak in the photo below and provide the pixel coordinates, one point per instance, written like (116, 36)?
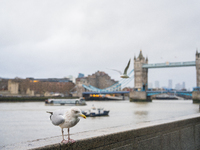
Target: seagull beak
(83, 116)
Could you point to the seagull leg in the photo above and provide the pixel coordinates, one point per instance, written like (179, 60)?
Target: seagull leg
(68, 135)
(70, 140)
(63, 141)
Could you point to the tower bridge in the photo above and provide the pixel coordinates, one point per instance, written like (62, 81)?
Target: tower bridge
(141, 67)
(140, 77)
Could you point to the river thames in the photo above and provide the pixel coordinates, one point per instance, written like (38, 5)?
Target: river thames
(27, 121)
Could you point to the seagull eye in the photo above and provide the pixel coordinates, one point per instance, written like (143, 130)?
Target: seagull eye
(76, 111)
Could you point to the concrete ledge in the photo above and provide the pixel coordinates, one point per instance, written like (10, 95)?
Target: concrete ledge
(181, 133)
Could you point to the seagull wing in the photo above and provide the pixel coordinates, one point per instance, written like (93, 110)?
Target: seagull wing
(125, 70)
(117, 71)
(57, 117)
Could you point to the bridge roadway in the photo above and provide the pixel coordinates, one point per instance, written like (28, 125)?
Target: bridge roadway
(149, 93)
(107, 92)
(170, 64)
(188, 93)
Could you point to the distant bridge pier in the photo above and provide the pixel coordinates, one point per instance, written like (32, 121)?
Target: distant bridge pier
(139, 96)
(196, 96)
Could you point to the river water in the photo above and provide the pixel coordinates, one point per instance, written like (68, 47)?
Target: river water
(27, 121)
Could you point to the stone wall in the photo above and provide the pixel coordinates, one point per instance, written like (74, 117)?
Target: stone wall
(181, 133)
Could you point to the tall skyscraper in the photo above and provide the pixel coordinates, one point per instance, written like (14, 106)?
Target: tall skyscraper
(170, 84)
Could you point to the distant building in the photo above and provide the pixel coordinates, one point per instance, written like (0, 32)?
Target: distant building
(80, 75)
(183, 85)
(50, 80)
(178, 86)
(127, 89)
(157, 84)
(163, 87)
(170, 84)
(150, 85)
(35, 87)
(99, 80)
(72, 78)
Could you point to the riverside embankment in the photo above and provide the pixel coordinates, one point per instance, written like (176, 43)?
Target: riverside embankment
(29, 98)
(182, 133)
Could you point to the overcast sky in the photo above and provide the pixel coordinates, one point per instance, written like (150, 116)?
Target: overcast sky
(51, 38)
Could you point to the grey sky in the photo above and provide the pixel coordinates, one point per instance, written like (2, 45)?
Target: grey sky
(49, 38)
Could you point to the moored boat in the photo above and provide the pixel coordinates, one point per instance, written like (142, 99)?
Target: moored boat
(79, 101)
(94, 112)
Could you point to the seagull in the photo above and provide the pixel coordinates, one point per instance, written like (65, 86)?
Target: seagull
(66, 119)
(124, 75)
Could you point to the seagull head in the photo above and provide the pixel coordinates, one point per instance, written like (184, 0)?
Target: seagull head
(76, 112)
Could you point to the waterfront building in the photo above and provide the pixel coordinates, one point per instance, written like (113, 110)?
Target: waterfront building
(35, 87)
(99, 80)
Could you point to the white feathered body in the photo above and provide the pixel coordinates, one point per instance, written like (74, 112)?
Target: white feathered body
(64, 118)
(69, 121)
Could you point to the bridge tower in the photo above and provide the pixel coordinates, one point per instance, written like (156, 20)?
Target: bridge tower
(140, 74)
(141, 80)
(196, 93)
(198, 68)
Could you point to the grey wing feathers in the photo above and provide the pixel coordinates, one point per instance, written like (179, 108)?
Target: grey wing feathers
(57, 117)
(117, 71)
(125, 70)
